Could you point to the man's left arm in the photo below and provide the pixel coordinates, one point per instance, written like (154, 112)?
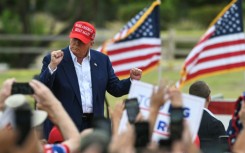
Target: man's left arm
(118, 87)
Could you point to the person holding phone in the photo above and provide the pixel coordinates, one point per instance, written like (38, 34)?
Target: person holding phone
(79, 77)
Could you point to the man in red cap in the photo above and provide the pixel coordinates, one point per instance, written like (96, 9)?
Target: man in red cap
(79, 77)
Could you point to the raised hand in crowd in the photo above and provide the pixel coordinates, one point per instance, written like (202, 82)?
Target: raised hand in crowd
(157, 100)
(175, 96)
(184, 144)
(116, 115)
(57, 114)
(5, 91)
(124, 142)
(48, 102)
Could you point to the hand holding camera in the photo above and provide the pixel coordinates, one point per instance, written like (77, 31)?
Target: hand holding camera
(132, 108)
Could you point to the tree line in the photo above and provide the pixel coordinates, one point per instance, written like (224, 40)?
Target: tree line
(54, 17)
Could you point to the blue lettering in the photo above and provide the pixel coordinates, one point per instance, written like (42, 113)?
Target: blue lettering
(186, 111)
(144, 100)
(162, 126)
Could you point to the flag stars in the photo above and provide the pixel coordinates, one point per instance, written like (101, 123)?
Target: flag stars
(137, 17)
(146, 29)
(133, 21)
(130, 24)
(229, 22)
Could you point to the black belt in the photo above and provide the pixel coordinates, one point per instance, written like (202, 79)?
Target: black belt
(87, 116)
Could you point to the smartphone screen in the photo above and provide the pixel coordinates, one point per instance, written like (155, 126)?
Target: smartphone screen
(142, 134)
(132, 108)
(22, 88)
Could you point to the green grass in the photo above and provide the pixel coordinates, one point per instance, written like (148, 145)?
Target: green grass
(21, 75)
(229, 85)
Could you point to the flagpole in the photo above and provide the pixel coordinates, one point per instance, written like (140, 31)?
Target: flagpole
(160, 71)
(160, 63)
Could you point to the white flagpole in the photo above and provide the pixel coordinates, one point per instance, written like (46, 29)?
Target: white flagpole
(160, 70)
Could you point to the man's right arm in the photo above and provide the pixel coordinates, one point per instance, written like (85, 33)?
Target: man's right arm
(46, 76)
(50, 64)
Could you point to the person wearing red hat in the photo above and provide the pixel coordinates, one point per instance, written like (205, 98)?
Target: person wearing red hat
(55, 136)
(79, 77)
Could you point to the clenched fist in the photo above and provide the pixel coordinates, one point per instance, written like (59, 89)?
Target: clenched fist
(135, 74)
(56, 57)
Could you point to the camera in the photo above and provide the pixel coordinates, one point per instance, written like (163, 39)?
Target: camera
(22, 88)
(103, 124)
(176, 123)
(132, 108)
(142, 130)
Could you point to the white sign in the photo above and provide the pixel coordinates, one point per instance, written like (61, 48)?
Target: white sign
(193, 109)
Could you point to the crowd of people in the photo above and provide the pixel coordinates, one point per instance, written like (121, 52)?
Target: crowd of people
(69, 97)
(94, 139)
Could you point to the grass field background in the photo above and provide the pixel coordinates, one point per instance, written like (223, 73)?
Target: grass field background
(229, 85)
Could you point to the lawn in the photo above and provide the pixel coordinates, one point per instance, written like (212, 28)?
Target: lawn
(230, 86)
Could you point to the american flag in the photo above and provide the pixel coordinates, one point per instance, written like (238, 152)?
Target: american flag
(221, 49)
(138, 43)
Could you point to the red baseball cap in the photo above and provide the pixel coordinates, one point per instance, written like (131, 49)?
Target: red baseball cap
(55, 136)
(83, 31)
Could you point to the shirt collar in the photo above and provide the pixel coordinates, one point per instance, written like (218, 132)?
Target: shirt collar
(209, 112)
(74, 58)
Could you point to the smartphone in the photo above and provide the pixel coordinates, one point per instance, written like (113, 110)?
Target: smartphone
(176, 123)
(22, 88)
(103, 124)
(142, 134)
(165, 144)
(132, 108)
(22, 123)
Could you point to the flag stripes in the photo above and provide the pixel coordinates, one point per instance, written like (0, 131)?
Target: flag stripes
(138, 44)
(221, 49)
